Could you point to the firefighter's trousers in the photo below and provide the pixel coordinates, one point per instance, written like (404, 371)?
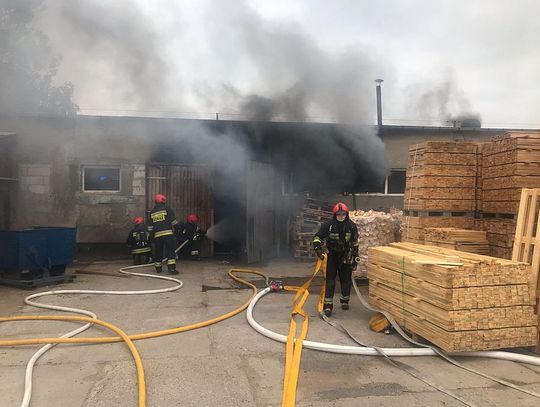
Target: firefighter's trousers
(336, 266)
(164, 247)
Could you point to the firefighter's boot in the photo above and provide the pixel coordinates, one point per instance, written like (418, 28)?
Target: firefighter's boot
(171, 265)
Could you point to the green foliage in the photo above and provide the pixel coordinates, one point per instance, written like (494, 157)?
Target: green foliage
(28, 65)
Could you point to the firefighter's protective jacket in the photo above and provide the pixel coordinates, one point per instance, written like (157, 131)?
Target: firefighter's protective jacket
(138, 240)
(341, 237)
(161, 221)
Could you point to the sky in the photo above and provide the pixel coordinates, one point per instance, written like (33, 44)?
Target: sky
(301, 59)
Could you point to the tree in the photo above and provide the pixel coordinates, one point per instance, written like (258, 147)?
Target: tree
(28, 66)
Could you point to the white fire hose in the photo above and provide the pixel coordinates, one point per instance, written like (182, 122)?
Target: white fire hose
(28, 300)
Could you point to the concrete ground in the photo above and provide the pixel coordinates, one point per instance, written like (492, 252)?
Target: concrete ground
(227, 364)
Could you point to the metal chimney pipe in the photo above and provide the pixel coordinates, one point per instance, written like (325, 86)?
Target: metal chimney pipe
(379, 102)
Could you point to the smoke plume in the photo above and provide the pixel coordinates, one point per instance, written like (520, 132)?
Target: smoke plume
(120, 53)
(445, 102)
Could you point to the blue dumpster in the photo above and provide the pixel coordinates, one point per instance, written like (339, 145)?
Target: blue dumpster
(33, 257)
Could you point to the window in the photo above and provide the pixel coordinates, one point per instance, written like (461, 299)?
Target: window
(101, 179)
(395, 182)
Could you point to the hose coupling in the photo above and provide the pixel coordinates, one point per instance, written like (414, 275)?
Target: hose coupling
(276, 285)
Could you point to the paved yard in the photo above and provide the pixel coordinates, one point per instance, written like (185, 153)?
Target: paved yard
(227, 364)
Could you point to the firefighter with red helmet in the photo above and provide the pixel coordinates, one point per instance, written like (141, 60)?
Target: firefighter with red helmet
(139, 242)
(189, 238)
(340, 235)
(161, 222)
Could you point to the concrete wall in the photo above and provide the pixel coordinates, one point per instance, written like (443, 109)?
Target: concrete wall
(50, 155)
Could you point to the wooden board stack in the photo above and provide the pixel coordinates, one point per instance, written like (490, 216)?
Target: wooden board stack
(470, 241)
(442, 176)
(306, 224)
(509, 163)
(413, 227)
(500, 233)
(458, 301)
(442, 187)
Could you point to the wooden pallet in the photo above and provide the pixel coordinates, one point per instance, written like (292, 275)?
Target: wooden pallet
(527, 240)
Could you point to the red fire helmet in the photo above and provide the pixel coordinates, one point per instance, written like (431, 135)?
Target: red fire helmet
(138, 220)
(160, 198)
(192, 218)
(340, 207)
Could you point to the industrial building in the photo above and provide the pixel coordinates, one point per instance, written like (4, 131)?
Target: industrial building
(98, 173)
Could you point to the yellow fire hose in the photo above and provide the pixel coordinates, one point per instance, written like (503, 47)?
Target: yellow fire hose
(294, 343)
(129, 338)
(145, 335)
(124, 337)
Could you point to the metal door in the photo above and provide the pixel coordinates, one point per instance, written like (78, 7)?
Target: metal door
(260, 212)
(188, 189)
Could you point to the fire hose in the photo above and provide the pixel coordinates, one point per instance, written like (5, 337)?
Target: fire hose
(292, 363)
(91, 318)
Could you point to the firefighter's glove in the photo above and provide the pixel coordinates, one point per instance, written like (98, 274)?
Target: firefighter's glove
(355, 261)
(319, 251)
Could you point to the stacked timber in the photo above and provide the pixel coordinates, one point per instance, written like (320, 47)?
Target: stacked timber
(374, 229)
(510, 162)
(458, 301)
(470, 241)
(442, 188)
(442, 176)
(306, 224)
(413, 227)
(500, 232)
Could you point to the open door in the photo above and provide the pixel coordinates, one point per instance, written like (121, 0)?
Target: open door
(188, 189)
(260, 212)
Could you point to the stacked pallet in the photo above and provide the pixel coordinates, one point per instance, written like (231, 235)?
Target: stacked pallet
(306, 224)
(458, 301)
(510, 163)
(470, 241)
(442, 176)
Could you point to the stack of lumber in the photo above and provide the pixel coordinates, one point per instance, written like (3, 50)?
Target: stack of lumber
(470, 241)
(458, 301)
(442, 176)
(413, 227)
(374, 229)
(306, 224)
(510, 162)
(500, 235)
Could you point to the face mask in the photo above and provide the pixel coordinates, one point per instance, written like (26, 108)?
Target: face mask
(340, 217)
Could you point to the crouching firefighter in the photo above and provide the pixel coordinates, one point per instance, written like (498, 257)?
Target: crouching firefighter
(341, 237)
(189, 238)
(139, 242)
(161, 222)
